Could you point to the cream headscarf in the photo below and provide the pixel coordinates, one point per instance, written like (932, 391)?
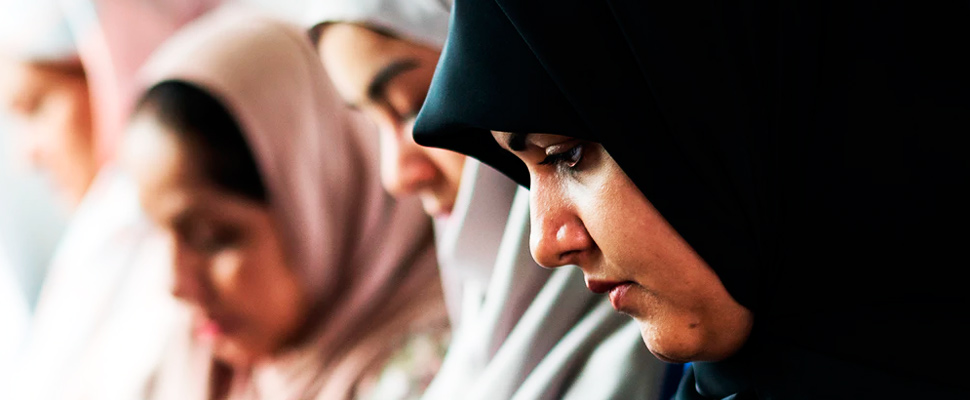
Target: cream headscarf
(367, 260)
(523, 332)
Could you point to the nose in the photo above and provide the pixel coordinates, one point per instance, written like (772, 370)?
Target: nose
(31, 147)
(405, 166)
(558, 236)
(187, 280)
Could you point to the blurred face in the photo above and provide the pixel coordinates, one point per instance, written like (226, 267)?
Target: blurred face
(586, 211)
(388, 80)
(53, 106)
(230, 264)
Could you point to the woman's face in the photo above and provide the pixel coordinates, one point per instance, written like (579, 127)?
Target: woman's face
(388, 79)
(230, 264)
(586, 211)
(53, 105)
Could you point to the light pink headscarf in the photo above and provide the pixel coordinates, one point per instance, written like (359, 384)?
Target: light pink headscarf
(367, 260)
(114, 38)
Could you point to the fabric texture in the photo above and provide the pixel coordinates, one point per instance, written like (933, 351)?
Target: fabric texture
(809, 153)
(367, 260)
(104, 312)
(521, 331)
(15, 313)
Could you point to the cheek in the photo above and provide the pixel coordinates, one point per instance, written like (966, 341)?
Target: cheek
(612, 213)
(63, 135)
(228, 273)
(448, 162)
(284, 306)
(260, 284)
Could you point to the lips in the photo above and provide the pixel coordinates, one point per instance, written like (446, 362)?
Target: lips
(617, 290)
(618, 296)
(601, 286)
(210, 328)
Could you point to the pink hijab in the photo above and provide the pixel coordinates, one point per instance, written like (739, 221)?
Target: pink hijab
(114, 38)
(366, 259)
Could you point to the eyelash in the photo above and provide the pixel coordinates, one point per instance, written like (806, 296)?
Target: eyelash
(212, 242)
(220, 242)
(569, 158)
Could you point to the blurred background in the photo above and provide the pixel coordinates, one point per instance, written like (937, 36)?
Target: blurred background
(33, 214)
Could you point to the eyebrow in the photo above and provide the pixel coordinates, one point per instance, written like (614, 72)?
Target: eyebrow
(516, 141)
(377, 88)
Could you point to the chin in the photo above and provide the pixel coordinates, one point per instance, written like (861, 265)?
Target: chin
(436, 209)
(672, 347)
(233, 353)
(671, 357)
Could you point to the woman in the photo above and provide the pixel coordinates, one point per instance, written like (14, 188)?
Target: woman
(744, 181)
(304, 278)
(103, 313)
(521, 331)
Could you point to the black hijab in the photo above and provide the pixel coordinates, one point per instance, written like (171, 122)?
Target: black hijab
(812, 153)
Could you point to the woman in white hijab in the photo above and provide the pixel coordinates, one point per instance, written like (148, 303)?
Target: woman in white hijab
(103, 312)
(29, 219)
(522, 332)
(304, 279)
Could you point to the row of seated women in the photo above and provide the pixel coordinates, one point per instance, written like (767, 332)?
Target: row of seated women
(745, 181)
(243, 174)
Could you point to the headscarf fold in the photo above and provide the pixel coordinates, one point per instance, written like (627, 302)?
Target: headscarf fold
(366, 260)
(807, 152)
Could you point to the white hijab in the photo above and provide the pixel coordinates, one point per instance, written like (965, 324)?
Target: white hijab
(13, 313)
(35, 30)
(423, 21)
(104, 312)
(523, 332)
(31, 218)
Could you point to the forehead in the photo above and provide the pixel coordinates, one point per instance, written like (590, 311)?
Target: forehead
(354, 55)
(22, 80)
(155, 156)
(168, 176)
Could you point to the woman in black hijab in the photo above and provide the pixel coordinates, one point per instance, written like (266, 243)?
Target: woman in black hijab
(808, 156)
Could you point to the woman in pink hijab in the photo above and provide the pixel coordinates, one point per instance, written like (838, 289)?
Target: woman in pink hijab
(303, 277)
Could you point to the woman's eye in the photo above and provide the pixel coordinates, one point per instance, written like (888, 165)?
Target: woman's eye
(569, 158)
(28, 105)
(212, 241)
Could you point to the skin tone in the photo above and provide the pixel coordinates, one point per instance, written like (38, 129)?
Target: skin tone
(388, 79)
(230, 264)
(586, 211)
(52, 104)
